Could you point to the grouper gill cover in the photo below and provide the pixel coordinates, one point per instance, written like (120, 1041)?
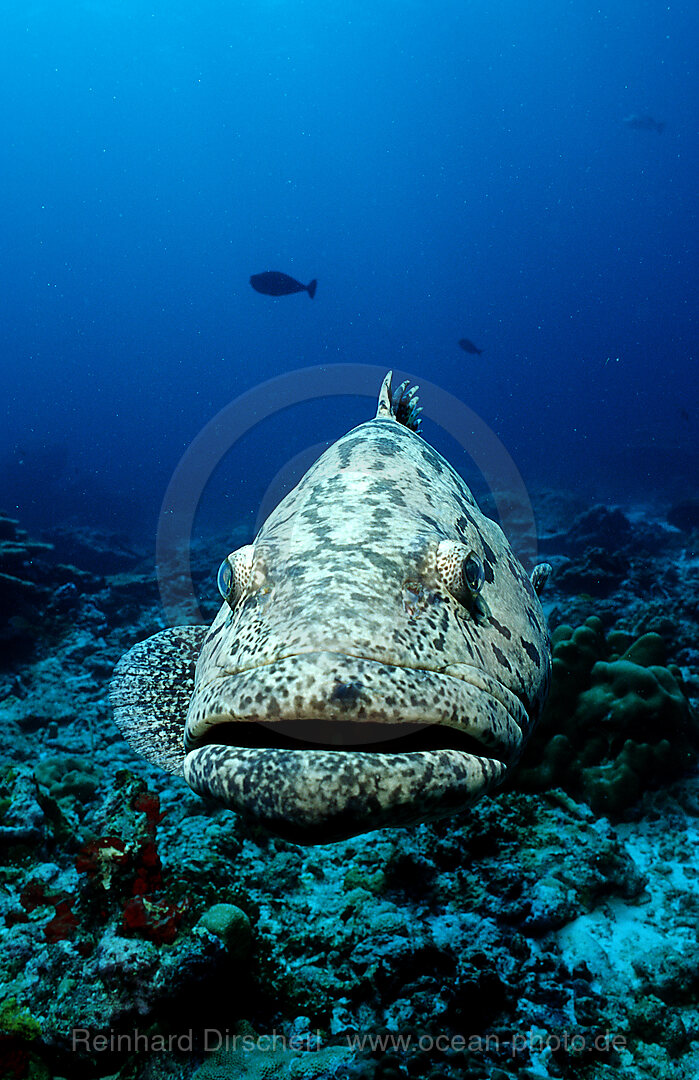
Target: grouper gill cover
(380, 657)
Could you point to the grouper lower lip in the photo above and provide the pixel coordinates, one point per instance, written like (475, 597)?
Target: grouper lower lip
(342, 702)
(319, 796)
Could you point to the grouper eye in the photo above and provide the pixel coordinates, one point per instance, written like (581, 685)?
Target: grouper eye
(473, 572)
(461, 570)
(234, 574)
(224, 579)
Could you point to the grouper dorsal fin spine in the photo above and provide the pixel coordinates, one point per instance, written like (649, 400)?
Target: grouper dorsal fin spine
(384, 408)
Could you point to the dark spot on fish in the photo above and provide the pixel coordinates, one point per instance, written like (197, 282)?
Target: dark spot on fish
(345, 454)
(517, 572)
(504, 630)
(527, 583)
(488, 572)
(531, 651)
(465, 519)
(431, 459)
(500, 657)
(488, 552)
(387, 447)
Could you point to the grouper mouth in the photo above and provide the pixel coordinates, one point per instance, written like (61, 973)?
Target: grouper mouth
(315, 744)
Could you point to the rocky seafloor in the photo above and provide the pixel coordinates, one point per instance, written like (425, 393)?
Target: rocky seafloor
(549, 932)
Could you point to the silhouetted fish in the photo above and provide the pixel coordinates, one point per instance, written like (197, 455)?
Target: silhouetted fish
(274, 283)
(469, 347)
(644, 123)
(685, 415)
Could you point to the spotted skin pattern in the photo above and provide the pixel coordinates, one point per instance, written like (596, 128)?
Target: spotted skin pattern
(345, 687)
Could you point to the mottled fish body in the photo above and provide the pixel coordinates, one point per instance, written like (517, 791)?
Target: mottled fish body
(380, 658)
(274, 283)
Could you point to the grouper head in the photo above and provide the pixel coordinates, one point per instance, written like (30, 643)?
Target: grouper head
(380, 657)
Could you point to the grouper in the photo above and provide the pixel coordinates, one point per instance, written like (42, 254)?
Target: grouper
(380, 657)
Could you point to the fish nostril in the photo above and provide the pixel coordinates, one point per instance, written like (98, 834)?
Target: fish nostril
(415, 599)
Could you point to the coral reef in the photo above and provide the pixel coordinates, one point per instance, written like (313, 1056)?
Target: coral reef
(601, 550)
(22, 596)
(616, 723)
(597, 572)
(95, 551)
(550, 932)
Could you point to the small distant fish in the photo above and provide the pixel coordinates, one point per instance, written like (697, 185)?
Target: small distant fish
(644, 123)
(469, 347)
(685, 415)
(274, 283)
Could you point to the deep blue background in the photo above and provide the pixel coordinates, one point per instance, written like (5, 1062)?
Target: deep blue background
(444, 169)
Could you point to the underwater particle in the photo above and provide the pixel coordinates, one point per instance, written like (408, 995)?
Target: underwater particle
(274, 283)
(469, 347)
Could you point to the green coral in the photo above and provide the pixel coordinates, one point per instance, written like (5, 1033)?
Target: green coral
(18, 1023)
(232, 926)
(617, 721)
(68, 776)
(18, 1034)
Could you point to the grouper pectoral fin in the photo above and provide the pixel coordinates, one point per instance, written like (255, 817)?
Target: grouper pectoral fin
(151, 690)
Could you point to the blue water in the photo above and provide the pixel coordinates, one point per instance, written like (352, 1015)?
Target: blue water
(444, 170)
